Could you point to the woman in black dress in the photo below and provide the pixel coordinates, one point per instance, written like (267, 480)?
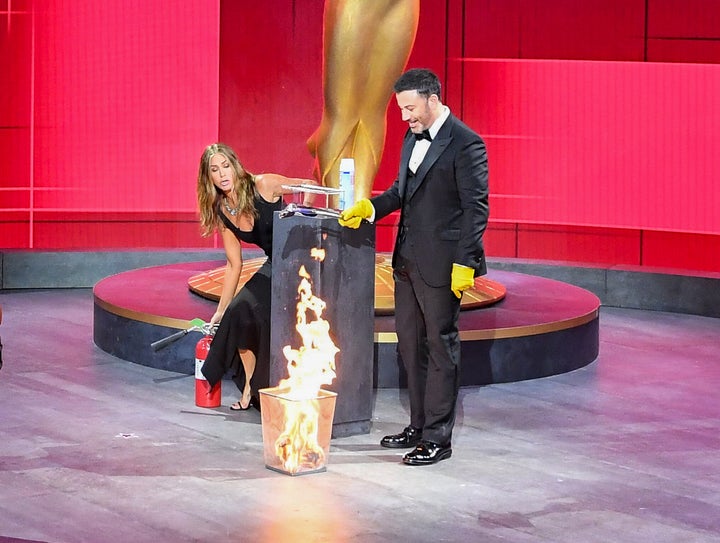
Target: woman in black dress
(240, 206)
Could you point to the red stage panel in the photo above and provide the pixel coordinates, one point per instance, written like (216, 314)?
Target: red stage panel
(677, 50)
(15, 67)
(14, 234)
(15, 99)
(14, 161)
(89, 234)
(594, 245)
(627, 145)
(83, 230)
(455, 49)
(270, 86)
(675, 250)
(683, 19)
(587, 30)
(14, 198)
(560, 29)
(492, 27)
(500, 240)
(125, 99)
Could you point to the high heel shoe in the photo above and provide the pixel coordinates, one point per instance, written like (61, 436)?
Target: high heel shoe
(238, 406)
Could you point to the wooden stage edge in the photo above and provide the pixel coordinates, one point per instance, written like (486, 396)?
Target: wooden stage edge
(538, 327)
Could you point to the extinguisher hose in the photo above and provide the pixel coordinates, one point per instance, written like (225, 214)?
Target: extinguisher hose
(161, 343)
(196, 325)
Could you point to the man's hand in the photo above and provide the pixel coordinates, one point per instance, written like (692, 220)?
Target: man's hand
(462, 278)
(354, 215)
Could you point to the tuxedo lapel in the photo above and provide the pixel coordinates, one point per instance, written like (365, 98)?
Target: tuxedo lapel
(404, 161)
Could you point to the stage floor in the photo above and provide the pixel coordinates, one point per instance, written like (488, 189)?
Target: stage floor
(99, 449)
(540, 327)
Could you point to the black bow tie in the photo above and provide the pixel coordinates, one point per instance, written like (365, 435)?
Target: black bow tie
(424, 135)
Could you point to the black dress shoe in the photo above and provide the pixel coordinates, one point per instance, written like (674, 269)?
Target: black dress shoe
(427, 453)
(409, 437)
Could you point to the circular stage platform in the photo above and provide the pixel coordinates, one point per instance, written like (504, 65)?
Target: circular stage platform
(535, 327)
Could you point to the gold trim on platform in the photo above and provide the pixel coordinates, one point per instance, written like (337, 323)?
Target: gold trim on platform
(504, 333)
(157, 320)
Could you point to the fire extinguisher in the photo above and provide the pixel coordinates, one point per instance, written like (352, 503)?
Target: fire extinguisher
(205, 395)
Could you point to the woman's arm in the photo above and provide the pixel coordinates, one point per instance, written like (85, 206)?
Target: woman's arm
(270, 186)
(233, 268)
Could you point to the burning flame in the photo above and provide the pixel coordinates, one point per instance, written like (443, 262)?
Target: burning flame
(309, 367)
(317, 253)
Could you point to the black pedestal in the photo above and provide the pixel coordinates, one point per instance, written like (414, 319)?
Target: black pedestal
(345, 280)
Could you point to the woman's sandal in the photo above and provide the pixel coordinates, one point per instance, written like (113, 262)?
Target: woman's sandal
(238, 406)
(254, 402)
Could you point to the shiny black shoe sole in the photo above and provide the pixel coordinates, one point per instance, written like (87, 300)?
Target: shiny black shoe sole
(442, 455)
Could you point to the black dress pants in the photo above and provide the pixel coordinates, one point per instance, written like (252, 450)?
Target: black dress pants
(429, 344)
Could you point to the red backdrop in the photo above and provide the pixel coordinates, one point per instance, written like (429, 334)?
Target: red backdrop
(110, 104)
(598, 115)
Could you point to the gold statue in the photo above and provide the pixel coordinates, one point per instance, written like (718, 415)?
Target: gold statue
(366, 45)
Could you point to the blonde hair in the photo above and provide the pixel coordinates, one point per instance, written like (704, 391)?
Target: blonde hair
(210, 197)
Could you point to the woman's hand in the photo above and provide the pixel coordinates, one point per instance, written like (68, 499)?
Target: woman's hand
(216, 317)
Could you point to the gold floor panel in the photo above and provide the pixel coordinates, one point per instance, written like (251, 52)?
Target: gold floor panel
(486, 292)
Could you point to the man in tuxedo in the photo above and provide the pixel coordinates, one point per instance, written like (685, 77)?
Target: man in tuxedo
(442, 193)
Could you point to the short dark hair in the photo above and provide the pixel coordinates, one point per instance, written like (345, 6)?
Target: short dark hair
(421, 80)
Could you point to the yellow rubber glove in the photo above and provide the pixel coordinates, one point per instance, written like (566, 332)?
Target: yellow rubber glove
(462, 278)
(354, 215)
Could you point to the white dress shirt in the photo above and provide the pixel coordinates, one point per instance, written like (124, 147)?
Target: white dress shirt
(422, 146)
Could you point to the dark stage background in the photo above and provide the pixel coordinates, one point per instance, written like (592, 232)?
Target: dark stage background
(601, 118)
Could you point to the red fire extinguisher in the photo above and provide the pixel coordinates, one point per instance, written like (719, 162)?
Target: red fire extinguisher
(205, 395)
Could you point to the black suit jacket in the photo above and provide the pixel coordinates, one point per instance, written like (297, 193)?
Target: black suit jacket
(447, 206)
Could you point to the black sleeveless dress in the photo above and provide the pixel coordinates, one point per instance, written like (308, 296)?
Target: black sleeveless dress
(246, 321)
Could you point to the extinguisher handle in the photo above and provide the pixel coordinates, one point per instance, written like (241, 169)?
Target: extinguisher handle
(209, 329)
(159, 344)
